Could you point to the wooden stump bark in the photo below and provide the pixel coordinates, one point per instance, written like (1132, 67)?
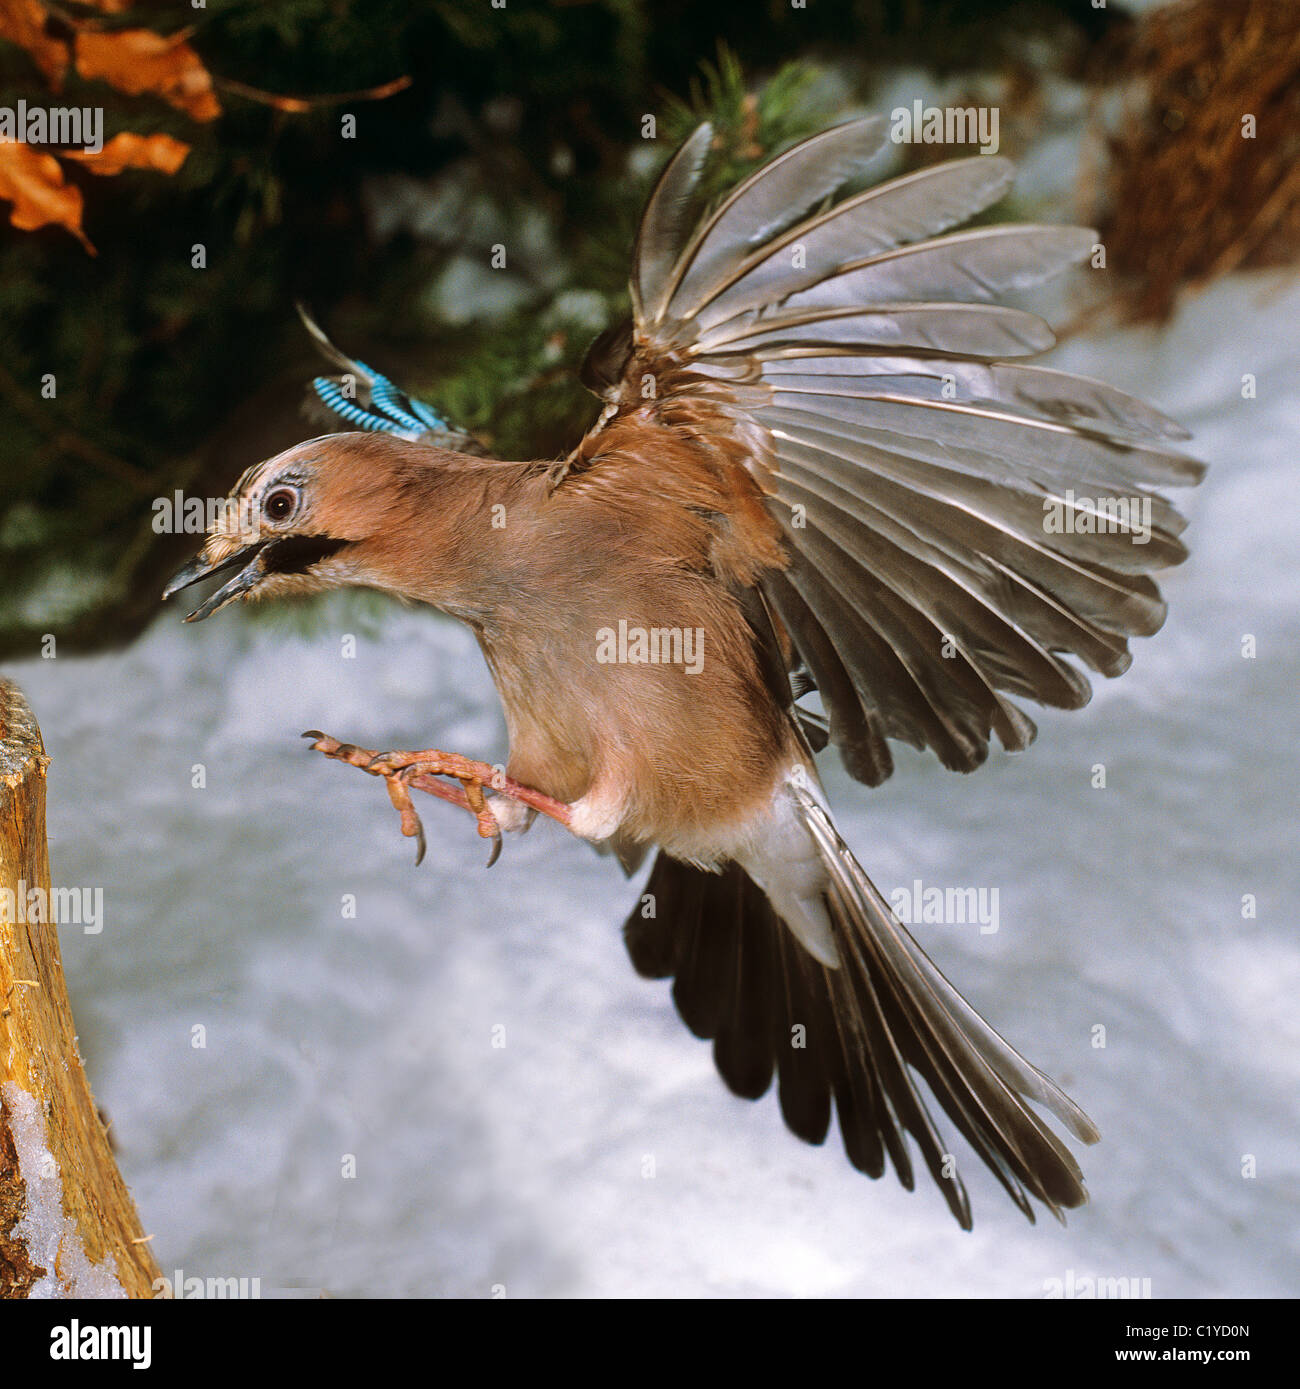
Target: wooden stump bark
(68, 1226)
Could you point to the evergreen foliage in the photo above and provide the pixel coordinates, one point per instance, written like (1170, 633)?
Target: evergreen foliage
(521, 127)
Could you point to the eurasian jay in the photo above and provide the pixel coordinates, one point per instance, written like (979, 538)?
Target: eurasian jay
(821, 465)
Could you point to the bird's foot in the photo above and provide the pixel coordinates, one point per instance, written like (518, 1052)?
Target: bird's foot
(403, 771)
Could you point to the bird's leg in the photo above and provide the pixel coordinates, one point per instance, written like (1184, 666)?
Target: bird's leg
(421, 770)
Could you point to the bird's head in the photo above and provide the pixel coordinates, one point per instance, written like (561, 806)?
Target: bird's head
(320, 515)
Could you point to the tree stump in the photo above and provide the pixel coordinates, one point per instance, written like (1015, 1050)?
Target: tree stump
(68, 1226)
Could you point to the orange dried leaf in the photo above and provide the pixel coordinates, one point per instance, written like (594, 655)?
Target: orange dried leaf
(33, 182)
(23, 22)
(129, 151)
(138, 61)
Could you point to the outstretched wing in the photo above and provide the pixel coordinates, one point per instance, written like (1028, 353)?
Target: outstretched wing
(957, 522)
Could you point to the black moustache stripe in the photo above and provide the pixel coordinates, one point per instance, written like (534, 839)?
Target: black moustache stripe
(297, 553)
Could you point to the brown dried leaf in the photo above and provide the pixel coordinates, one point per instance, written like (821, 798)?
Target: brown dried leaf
(138, 61)
(23, 23)
(130, 151)
(33, 182)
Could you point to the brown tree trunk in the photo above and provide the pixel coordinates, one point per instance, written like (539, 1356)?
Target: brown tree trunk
(68, 1227)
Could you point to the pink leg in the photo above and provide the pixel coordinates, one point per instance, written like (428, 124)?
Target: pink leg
(403, 770)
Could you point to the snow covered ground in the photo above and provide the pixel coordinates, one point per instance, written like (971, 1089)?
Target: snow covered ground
(595, 1152)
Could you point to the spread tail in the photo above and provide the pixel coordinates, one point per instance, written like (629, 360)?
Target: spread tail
(858, 1034)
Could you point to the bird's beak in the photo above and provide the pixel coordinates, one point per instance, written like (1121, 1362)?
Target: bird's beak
(253, 570)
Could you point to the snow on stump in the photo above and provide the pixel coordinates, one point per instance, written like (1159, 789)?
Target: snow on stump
(68, 1227)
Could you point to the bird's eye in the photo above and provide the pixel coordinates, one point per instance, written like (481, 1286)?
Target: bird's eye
(280, 504)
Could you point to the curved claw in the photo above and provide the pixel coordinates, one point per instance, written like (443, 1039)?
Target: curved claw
(402, 771)
(412, 826)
